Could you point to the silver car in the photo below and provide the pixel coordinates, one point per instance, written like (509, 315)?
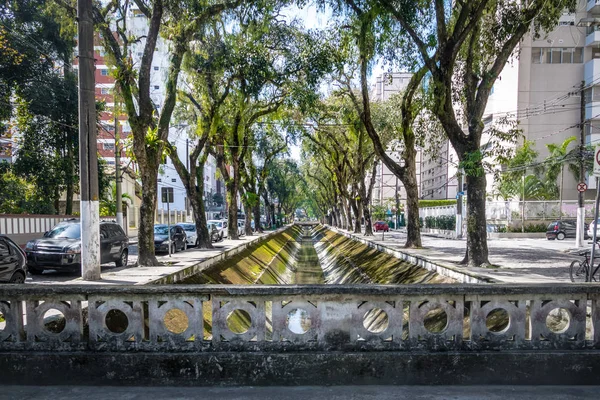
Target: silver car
(191, 233)
(221, 226)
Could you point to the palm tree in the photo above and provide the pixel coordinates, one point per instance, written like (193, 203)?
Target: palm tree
(108, 205)
(555, 165)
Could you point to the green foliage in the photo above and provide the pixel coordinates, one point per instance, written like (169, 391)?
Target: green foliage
(530, 228)
(20, 196)
(436, 203)
(472, 163)
(445, 222)
(108, 205)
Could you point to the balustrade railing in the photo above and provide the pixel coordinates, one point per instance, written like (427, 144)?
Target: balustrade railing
(279, 318)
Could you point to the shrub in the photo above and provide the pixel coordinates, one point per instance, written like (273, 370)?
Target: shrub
(445, 222)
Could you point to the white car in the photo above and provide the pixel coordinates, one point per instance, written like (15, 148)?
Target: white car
(590, 231)
(221, 227)
(191, 233)
(241, 227)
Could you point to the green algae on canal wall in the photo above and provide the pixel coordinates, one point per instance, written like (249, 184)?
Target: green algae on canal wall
(347, 261)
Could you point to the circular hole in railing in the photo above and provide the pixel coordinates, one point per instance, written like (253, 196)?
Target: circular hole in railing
(239, 321)
(497, 320)
(298, 321)
(376, 320)
(436, 320)
(116, 321)
(558, 320)
(54, 321)
(2, 322)
(176, 321)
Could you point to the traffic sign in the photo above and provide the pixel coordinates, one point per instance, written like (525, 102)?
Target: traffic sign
(581, 187)
(167, 194)
(597, 160)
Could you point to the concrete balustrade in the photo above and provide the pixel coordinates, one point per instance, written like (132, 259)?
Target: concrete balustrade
(300, 335)
(299, 317)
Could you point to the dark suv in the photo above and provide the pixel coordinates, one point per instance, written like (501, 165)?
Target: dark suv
(60, 248)
(564, 229)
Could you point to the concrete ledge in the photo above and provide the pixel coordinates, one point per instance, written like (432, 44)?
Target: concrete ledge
(516, 235)
(269, 369)
(423, 262)
(186, 272)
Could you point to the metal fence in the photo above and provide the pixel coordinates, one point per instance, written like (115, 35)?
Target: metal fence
(508, 211)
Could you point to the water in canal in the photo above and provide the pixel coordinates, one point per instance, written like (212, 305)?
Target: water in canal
(308, 267)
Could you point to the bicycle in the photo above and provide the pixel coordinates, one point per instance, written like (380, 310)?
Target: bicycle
(579, 270)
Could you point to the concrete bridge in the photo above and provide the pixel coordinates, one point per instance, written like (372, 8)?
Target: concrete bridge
(300, 335)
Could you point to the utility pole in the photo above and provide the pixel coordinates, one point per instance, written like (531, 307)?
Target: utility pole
(88, 159)
(118, 174)
(459, 205)
(579, 235)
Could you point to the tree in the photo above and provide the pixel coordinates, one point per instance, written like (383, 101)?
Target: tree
(464, 47)
(34, 38)
(559, 156)
(178, 21)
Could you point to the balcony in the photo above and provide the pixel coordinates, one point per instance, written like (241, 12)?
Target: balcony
(591, 71)
(592, 110)
(593, 6)
(593, 37)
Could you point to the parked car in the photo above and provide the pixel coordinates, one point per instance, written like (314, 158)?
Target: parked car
(566, 228)
(161, 238)
(13, 261)
(590, 230)
(215, 235)
(381, 226)
(221, 225)
(190, 233)
(241, 228)
(60, 248)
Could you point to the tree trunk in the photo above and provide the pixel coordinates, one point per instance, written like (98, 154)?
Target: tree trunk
(413, 237)
(256, 212)
(477, 249)
(356, 209)
(367, 214)
(248, 220)
(149, 178)
(232, 209)
(409, 180)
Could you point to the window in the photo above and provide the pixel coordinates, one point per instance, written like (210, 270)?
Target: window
(104, 72)
(108, 146)
(156, 87)
(156, 68)
(557, 55)
(173, 180)
(104, 90)
(160, 180)
(4, 249)
(139, 53)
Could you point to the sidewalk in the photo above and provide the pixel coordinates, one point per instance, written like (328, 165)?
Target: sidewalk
(517, 260)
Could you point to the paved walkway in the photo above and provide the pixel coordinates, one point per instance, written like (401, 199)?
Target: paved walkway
(303, 392)
(517, 260)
